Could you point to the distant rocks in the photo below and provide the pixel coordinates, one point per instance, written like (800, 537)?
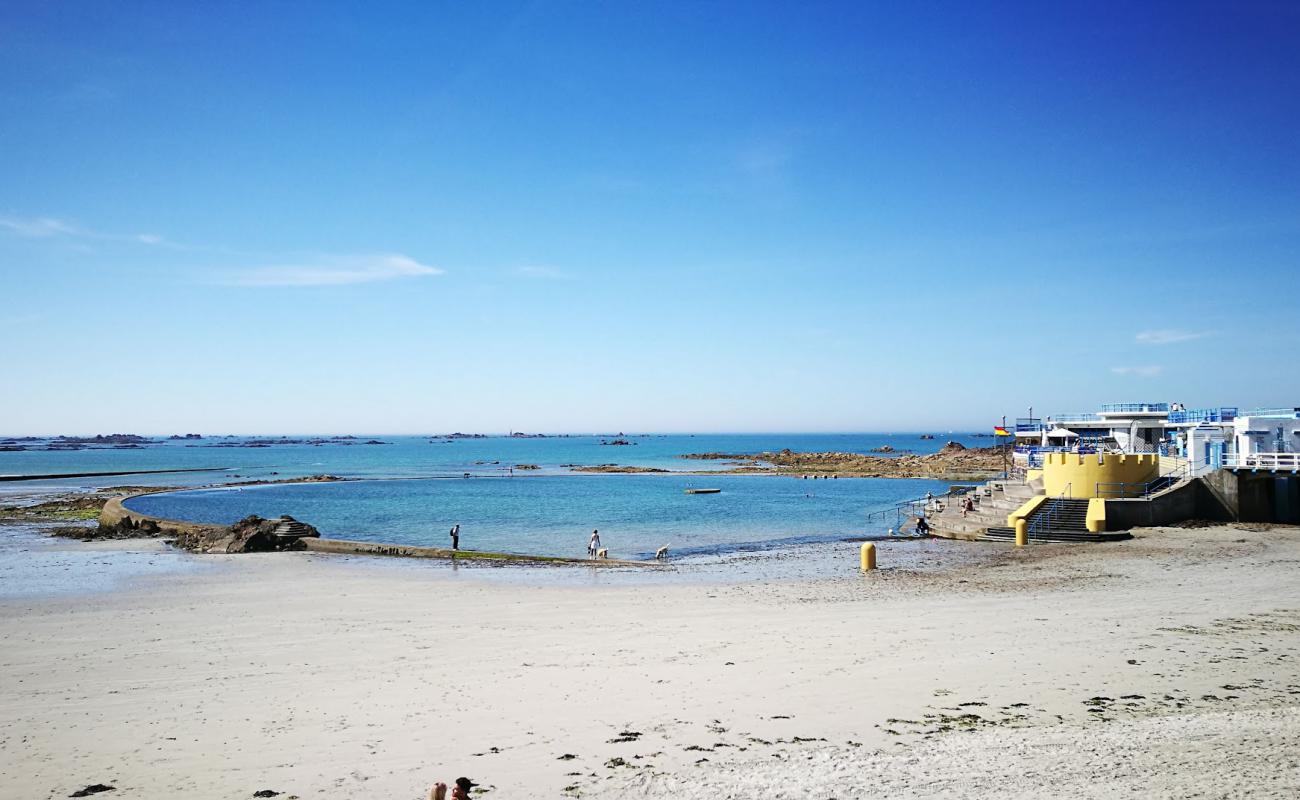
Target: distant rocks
(113, 441)
(616, 443)
(614, 468)
(883, 449)
(186, 437)
(282, 442)
(952, 447)
(526, 466)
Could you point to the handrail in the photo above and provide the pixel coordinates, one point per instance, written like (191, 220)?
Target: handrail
(1221, 414)
(1134, 408)
(1121, 491)
(1286, 413)
(1268, 461)
(1041, 521)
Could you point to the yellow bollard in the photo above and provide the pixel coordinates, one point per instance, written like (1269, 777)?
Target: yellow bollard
(868, 556)
(1022, 533)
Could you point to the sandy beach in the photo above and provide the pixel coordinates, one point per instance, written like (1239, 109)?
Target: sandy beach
(1165, 666)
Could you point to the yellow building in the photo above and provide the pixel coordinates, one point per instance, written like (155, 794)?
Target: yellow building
(1098, 474)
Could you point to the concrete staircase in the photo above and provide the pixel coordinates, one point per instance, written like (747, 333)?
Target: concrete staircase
(290, 528)
(1058, 519)
(993, 502)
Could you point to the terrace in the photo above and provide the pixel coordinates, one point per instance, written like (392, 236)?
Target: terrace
(1198, 415)
(1134, 408)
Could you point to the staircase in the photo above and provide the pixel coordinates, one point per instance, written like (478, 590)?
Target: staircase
(1059, 519)
(289, 528)
(994, 501)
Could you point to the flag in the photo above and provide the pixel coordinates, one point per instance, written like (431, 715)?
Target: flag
(998, 430)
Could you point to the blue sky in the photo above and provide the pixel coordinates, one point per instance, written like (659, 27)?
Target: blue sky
(556, 216)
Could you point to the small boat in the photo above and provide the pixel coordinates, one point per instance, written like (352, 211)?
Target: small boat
(703, 491)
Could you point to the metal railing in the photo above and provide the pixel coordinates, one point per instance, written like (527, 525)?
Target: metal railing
(1134, 408)
(1222, 414)
(1045, 520)
(1181, 471)
(1270, 461)
(1076, 418)
(1284, 413)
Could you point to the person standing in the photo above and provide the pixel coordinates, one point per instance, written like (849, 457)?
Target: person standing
(455, 536)
(594, 544)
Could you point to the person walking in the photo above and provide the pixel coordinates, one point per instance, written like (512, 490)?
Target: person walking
(455, 536)
(594, 544)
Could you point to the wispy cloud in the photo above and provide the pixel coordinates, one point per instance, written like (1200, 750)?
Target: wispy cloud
(38, 227)
(1169, 336)
(1149, 371)
(53, 227)
(334, 271)
(541, 273)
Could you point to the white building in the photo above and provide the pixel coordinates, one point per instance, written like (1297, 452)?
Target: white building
(1209, 438)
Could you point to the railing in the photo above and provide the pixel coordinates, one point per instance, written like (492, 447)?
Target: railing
(1045, 520)
(1028, 425)
(1268, 461)
(1134, 408)
(1224, 414)
(1284, 413)
(1180, 472)
(911, 506)
(1076, 418)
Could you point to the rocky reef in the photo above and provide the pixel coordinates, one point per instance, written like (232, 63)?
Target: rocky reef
(252, 534)
(954, 461)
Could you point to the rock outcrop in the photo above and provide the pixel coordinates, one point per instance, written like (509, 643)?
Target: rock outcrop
(252, 534)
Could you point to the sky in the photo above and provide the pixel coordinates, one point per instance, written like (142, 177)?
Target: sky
(561, 216)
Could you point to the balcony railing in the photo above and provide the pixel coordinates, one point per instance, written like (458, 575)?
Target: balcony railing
(1076, 418)
(1135, 408)
(1224, 414)
(1273, 462)
(1284, 413)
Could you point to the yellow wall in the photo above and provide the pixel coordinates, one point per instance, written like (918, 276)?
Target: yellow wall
(1096, 521)
(1077, 475)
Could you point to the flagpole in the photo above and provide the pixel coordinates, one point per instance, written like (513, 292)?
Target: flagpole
(1004, 449)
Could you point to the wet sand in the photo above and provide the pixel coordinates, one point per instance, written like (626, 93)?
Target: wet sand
(1164, 666)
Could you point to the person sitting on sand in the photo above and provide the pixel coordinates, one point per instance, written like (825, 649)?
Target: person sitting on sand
(439, 790)
(594, 544)
(922, 527)
(967, 506)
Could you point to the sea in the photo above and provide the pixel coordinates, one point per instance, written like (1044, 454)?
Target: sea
(508, 493)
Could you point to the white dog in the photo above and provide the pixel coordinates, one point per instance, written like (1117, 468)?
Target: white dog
(602, 552)
(661, 553)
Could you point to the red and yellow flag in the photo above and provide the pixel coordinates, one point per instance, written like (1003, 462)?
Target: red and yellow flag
(998, 430)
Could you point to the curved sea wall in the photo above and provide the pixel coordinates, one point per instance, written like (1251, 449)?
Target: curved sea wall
(117, 516)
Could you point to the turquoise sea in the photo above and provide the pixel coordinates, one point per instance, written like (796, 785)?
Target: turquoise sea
(415, 490)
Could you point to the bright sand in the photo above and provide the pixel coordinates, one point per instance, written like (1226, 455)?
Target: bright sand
(334, 677)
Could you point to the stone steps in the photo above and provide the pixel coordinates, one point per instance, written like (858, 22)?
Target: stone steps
(1005, 534)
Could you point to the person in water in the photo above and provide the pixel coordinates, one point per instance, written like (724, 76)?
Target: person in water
(455, 536)
(594, 544)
